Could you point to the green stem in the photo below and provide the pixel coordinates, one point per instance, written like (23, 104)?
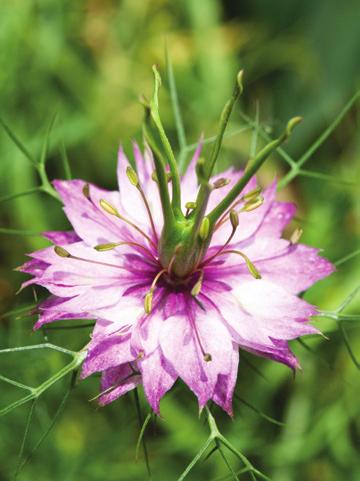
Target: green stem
(254, 166)
(161, 178)
(175, 177)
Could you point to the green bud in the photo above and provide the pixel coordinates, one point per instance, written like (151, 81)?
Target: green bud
(132, 176)
(61, 252)
(204, 228)
(292, 124)
(239, 79)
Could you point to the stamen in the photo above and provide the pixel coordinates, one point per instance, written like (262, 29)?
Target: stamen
(110, 209)
(111, 245)
(132, 176)
(234, 219)
(253, 193)
(204, 228)
(251, 267)
(195, 291)
(295, 236)
(218, 184)
(253, 204)
(206, 355)
(61, 252)
(149, 296)
(155, 178)
(250, 196)
(86, 191)
(189, 206)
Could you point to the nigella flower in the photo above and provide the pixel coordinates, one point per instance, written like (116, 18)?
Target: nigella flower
(177, 285)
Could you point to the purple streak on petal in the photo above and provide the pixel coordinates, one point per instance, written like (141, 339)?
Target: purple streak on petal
(158, 377)
(61, 237)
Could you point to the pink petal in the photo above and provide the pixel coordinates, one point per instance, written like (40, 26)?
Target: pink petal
(115, 382)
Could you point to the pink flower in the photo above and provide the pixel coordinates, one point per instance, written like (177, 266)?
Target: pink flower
(167, 307)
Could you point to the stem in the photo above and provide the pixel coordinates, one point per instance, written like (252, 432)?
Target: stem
(251, 170)
(154, 112)
(161, 178)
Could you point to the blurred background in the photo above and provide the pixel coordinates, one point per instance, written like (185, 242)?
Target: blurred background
(89, 61)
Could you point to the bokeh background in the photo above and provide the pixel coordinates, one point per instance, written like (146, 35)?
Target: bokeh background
(89, 61)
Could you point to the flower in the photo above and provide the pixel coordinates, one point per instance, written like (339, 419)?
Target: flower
(169, 304)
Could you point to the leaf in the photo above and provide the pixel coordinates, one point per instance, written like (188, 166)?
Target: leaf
(18, 142)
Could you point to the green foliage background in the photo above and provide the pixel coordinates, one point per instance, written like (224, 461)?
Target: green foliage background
(89, 61)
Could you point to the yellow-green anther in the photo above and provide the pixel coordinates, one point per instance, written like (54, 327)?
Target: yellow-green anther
(234, 219)
(109, 208)
(239, 79)
(60, 251)
(204, 228)
(190, 205)
(221, 183)
(86, 191)
(292, 124)
(252, 193)
(132, 176)
(155, 179)
(207, 357)
(195, 291)
(254, 204)
(148, 302)
(251, 267)
(295, 236)
(106, 247)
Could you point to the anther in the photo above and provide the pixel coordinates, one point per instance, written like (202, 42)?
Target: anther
(132, 176)
(109, 208)
(86, 191)
(251, 267)
(222, 182)
(253, 204)
(253, 193)
(204, 228)
(189, 206)
(234, 219)
(195, 291)
(61, 252)
(107, 247)
(295, 236)
(207, 357)
(149, 296)
(155, 179)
